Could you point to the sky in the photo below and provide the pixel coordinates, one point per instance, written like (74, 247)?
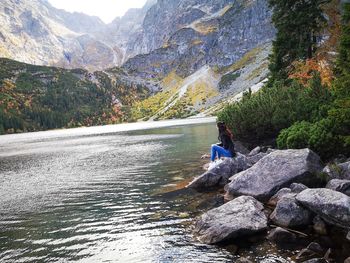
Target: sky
(107, 10)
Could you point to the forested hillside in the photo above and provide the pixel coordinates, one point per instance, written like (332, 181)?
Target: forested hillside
(38, 98)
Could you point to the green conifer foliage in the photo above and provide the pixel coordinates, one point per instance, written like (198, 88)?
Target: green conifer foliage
(298, 23)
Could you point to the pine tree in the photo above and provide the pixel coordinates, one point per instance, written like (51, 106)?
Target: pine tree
(298, 23)
(341, 112)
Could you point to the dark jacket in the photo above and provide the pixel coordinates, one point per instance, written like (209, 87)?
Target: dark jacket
(227, 143)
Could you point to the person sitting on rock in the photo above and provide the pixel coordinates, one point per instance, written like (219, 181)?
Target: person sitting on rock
(226, 147)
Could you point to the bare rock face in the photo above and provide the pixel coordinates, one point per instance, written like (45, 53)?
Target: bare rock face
(331, 206)
(206, 32)
(275, 171)
(37, 33)
(219, 175)
(239, 217)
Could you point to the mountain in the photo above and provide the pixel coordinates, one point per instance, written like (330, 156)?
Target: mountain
(190, 56)
(209, 53)
(37, 33)
(36, 98)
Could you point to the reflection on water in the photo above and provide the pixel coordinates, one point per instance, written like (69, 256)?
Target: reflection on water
(98, 195)
(95, 197)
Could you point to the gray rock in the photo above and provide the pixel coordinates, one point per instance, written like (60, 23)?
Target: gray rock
(239, 217)
(347, 260)
(339, 185)
(338, 171)
(348, 236)
(297, 188)
(273, 259)
(243, 260)
(288, 213)
(281, 236)
(255, 151)
(316, 260)
(270, 150)
(331, 206)
(239, 147)
(283, 192)
(256, 158)
(275, 171)
(319, 226)
(219, 175)
(167, 39)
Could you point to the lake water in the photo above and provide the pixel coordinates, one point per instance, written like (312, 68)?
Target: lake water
(105, 194)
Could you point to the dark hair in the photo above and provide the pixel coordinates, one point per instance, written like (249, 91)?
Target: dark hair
(223, 130)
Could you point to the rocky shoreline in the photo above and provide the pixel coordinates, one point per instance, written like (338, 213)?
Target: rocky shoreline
(281, 194)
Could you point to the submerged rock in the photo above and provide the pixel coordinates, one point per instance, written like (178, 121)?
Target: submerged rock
(273, 259)
(275, 171)
(331, 206)
(219, 175)
(312, 250)
(288, 213)
(319, 226)
(239, 217)
(339, 185)
(281, 236)
(243, 260)
(316, 260)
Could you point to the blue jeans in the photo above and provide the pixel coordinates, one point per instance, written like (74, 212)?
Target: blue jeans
(220, 151)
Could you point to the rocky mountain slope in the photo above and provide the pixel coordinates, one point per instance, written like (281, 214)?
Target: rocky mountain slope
(218, 52)
(37, 33)
(192, 55)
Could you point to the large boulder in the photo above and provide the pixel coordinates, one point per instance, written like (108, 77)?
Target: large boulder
(275, 171)
(330, 205)
(338, 171)
(239, 217)
(288, 213)
(219, 175)
(339, 185)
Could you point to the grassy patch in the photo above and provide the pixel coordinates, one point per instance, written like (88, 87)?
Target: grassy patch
(247, 59)
(227, 79)
(258, 71)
